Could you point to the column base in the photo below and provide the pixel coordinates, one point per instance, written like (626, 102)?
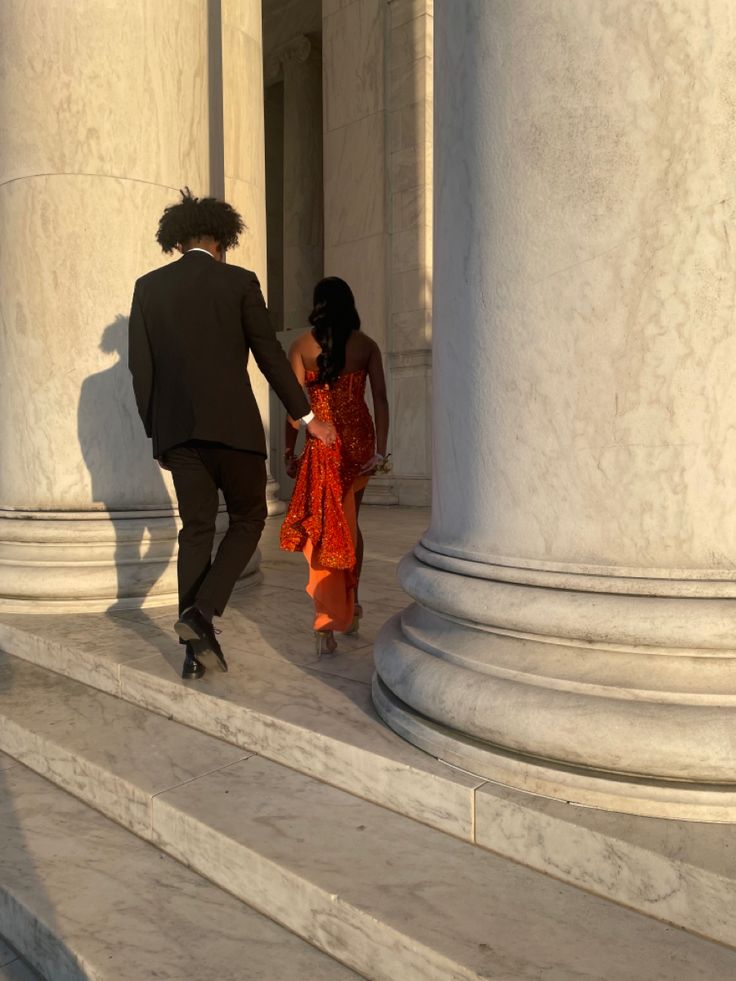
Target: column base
(676, 801)
(623, 702)
(274, 503)
(381, 491)
(92, 561)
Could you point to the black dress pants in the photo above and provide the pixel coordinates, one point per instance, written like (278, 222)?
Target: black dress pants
(199, 470)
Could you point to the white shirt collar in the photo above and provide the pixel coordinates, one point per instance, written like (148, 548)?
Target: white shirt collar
(197, 249)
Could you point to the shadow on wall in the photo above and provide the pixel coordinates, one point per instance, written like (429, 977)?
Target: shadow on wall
(125, 478)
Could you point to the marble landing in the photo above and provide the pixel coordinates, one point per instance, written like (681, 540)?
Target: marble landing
(115, 755)
(317, 717)
(83, 898)
(279, 699)
(382, 894)
(677, 871)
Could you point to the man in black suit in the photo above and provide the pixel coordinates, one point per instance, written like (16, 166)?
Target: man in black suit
(192, 326)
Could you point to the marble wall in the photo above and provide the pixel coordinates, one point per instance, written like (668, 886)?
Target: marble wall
(92, 149)
(377, 163)
(83, 180)
(244, 161)
(409, 100)
(82, 183)
(356, 244)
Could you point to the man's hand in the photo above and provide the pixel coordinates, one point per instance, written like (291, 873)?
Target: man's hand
(323, 431)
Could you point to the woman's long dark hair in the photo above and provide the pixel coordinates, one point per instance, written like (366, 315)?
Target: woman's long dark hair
(333, 320)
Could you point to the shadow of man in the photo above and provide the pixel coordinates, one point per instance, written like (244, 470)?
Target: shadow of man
(125, 478)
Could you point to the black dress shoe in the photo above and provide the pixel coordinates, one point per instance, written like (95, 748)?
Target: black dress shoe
(192, 625)
(191, 667)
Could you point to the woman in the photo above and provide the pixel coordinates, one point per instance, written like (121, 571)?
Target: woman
(332, 361)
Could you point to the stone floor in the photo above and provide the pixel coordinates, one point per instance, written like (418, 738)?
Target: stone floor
(13, 967)
(273, 618)
(290, 746)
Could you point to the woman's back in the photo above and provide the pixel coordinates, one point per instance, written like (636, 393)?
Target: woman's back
(359, 349)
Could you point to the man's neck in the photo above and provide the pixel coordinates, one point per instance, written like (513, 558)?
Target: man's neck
(203, 244)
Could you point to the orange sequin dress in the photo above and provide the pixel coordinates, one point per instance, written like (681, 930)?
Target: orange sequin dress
(321, 520)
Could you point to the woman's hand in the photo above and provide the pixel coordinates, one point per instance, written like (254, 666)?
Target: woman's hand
(378, 463)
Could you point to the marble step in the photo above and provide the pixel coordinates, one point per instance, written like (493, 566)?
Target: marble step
(13, 967)
(392, 899)
(82, 898)
(277, 700)
(318, 718)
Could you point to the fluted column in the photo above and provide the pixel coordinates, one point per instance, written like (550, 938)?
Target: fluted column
(575, 627)
(303, 186)
(245, 163)
(93, 146)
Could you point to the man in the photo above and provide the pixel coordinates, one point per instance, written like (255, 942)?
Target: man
(192, 325)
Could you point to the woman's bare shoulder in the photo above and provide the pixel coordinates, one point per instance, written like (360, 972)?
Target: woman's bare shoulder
(303, 343)
(364, 343)
(358, 351)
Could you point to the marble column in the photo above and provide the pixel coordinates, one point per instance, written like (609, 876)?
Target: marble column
(357, 70)
(409, 228)
(574, 631)
(93, 147)
(297, 66)
(303, 197)
(245, 163)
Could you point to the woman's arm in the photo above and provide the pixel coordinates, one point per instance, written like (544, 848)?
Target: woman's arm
(380, 399)
(292, 425)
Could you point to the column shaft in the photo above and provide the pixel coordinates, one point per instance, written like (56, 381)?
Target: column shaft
(245, 161)
(92, 149)
(303, 200)
(574, 634)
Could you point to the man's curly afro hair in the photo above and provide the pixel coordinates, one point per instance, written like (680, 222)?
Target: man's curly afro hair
(193, 218)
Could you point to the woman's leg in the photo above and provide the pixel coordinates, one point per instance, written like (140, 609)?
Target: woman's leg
(359, 542)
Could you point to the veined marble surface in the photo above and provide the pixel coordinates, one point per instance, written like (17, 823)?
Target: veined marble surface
(278, 699)
(13, 967)
(381, 891)
(315, 716)
(71, 734)
(583, 289)
(18, 970)
(583, 419)
(346, 875)
(674, 871)
(81, 897)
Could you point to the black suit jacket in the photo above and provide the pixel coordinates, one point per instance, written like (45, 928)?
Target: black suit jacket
(192, 326)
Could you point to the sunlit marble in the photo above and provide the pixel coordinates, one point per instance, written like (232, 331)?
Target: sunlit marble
(71, 734)
(81, 897)
(394, 899)
(575, 587)
(84, 181)
(278, 699)
(315, 717)
(674, 871)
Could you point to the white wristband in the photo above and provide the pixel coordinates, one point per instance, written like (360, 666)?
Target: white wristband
(305, 420)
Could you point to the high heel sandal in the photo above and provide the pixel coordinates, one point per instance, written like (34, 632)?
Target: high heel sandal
(324, 642)
(357, 617)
